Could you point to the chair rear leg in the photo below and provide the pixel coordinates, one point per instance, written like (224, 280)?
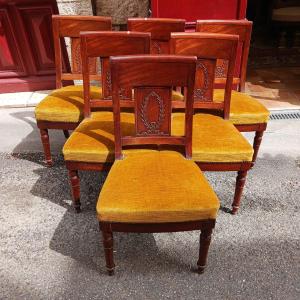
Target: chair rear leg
(66, 134)
(205, 238)
(108, 243)
(46, 146)
(256, 143)
(75, 184)
(240, 183)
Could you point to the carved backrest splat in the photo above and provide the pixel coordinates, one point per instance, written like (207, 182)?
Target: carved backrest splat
(243, 29)
(152, 111)
(70, 27)
(103, 45)
(152, 78)
(208, 47)
(160, 30)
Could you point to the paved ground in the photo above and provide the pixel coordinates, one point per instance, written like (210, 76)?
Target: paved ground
(48, 252)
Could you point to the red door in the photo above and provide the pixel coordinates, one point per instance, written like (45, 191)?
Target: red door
(26, 45)
(192, 10)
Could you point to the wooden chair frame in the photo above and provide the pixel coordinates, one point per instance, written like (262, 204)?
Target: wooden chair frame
(243, 29)
(103, 44)
(160, 29)
(213, 46)
(146, 73)
(69, 26)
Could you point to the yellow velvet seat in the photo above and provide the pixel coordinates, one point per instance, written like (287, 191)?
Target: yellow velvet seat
(156, 187)
(244, 109)
(214, 139)
(93, 140)
(64, 104)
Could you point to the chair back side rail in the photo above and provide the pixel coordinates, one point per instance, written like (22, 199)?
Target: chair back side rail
(152, 77)
(103, 45)
(70, 26)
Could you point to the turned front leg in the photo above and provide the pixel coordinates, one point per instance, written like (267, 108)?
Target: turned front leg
(46, 146)
(205, 238)
(108, 243)
(75, 184)
(240, 183)
(256, 143)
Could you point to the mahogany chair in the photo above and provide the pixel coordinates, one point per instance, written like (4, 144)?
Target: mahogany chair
(160, 29)
(217, 144)
(63, 108)
(91, 145)
(160, 191)
(246, 113)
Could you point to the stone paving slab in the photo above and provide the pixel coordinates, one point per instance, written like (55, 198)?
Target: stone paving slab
(49, 252)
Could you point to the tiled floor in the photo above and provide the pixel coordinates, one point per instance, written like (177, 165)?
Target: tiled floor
(276, 88)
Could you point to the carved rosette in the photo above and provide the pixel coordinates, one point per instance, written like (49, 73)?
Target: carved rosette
(152, 127)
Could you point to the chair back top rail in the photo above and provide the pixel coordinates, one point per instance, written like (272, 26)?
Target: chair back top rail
(208, 48)
(160, 29)
(71, 26)
(152, 77)
(243, 29)
(103, 45)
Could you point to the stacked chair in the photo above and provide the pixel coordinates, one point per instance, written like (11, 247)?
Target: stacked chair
(91, 145)
(246, 113)
(157, 121)
(63, 108)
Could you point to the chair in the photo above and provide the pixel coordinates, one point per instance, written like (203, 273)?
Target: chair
(160, 191)
(217, 144)
(63, 108)
(246, 113)
(160, 30)
(91, 145)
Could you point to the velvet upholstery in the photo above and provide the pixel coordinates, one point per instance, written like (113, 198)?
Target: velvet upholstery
(93, 139)
(156, 187)
(244, 109)
(214, 139)
(64, 105)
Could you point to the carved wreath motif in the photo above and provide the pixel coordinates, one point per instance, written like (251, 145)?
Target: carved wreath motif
(200, 93)
(122, 92)
(77, 60)
(152, 127)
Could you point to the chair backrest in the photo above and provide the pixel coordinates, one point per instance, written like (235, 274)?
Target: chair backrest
(160, 30)
(70, 27)
(208, 48)
(152, 77)
(243, 29)
(103, 45)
